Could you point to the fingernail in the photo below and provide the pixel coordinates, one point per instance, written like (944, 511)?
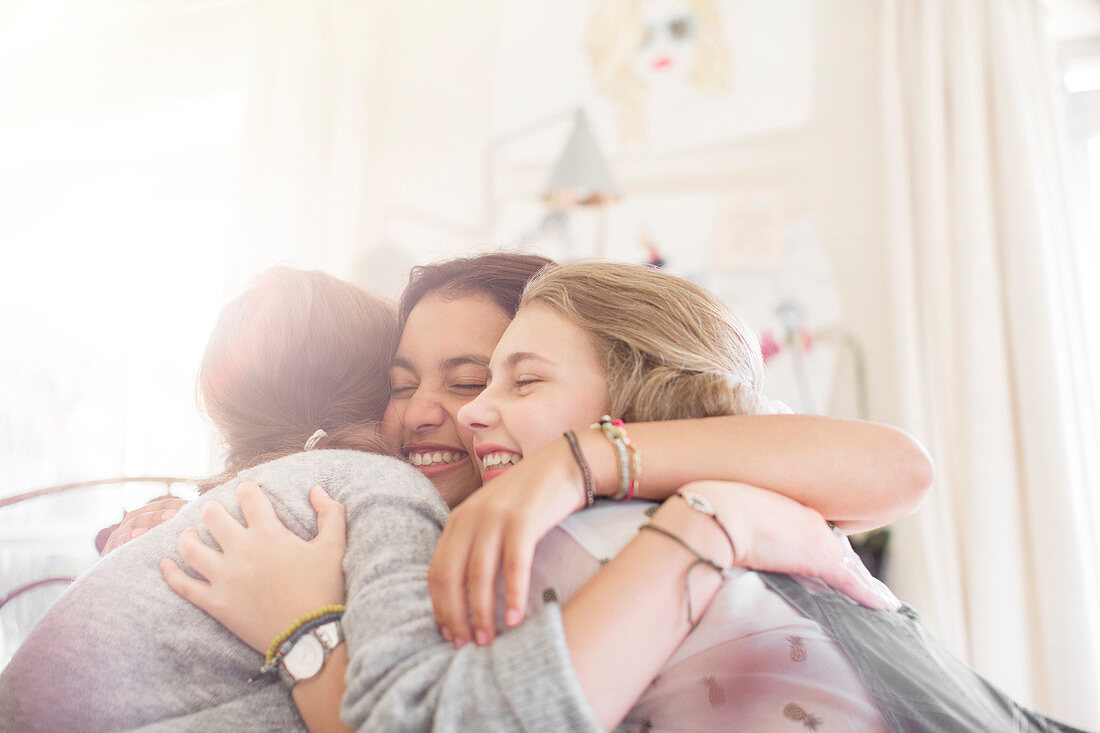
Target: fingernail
(165, 516)
(138, 532)
(512, 616)
(481, 637)
(446, 634)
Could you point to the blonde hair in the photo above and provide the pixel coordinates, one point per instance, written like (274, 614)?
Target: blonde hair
(615, 34)
(669, 348)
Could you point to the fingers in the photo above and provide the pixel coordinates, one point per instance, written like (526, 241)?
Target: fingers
(195, 592)
(139, 521)
(225, 530)
(447, 584)
(851, 577)
(117, 538)
(481, 573)
(331, 517)
(519, 551)
(202, 558)
(255, 506)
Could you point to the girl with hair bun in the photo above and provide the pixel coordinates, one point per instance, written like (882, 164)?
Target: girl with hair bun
(297, 353)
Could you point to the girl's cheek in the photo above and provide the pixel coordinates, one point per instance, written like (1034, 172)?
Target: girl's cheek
(391, 426)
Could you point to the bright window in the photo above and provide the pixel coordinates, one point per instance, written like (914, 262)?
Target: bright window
(120, 143)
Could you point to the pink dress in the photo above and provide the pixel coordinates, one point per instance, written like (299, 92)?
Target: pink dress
(753, 663)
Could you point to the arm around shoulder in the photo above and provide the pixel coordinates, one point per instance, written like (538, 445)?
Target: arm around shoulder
(401, 672)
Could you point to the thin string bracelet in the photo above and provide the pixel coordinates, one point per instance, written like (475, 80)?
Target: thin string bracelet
(699, 560)
(701, 505)
(589, 495)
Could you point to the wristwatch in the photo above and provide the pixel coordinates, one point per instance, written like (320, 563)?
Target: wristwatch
(308, 654)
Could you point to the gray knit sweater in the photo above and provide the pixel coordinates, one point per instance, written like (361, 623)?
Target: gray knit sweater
(119, 650)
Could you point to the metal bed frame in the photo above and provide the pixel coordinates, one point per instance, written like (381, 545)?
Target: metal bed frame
(168, 482)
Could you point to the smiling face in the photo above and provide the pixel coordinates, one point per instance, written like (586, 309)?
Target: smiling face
(546, 379)
(441, 364)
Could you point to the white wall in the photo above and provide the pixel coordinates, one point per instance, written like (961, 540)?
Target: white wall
(433, 100)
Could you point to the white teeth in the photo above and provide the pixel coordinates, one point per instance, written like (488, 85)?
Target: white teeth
(494, 460)
(432, 458)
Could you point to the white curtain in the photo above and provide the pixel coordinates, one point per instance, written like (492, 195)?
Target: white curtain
(306, 138)
(1002, 559)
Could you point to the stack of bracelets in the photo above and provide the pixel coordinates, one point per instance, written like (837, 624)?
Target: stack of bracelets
(284, 643)
(630, 469)
(629, 460)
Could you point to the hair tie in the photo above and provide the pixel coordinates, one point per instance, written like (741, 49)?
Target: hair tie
(315, 439)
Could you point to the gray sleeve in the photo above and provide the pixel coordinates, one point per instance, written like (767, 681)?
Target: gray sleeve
(402, 675)
(119, 650)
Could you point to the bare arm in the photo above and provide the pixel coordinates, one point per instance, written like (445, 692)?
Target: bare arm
(857, 474)
(400, 672)
(318, 699)
(808, 459)
(626, 622)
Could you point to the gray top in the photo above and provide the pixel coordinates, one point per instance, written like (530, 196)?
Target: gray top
(120, 650)
(918, 685)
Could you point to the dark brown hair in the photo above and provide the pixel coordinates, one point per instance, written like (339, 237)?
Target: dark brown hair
(299, 351)
(500, 276)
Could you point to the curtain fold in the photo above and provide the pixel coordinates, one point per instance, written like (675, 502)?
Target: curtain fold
(306, 138)
(988, 326)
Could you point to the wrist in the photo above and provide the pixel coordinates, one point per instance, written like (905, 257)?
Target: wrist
(602, 462)
(699, 529)
(284, 643)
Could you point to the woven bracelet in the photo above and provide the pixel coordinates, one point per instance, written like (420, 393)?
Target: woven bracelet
(630, 463)
(589, 495)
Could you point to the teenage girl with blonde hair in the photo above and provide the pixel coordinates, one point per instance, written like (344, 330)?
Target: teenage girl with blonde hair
(771, 650)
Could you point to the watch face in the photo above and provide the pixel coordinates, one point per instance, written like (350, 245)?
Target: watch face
(305, 659)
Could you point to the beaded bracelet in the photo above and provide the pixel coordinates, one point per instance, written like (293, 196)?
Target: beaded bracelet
(699, 560)
(630, 461)
(589, 494)
(273, 649)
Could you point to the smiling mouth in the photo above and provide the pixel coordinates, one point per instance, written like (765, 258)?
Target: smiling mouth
(426, 458)
(499, 460)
